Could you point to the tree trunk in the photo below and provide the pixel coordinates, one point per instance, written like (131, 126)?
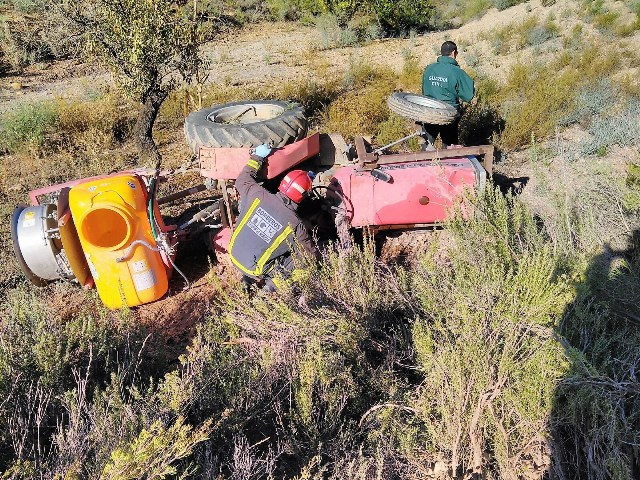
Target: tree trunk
(143, 130)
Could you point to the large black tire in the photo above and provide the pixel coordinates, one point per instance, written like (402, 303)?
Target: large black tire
(421, 108)
(246, 124)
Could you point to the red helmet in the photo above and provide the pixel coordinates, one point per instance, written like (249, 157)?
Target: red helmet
(295, 185)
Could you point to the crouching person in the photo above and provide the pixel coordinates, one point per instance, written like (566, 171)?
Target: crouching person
(269, 234)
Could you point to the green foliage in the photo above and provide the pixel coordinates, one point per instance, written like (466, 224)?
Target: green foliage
(359, 112)
(71, 125)
(484, 340)
(403, 14)
(27, 125)
(542, 104)
(362, 17)
(154, 452)
(596, 406)
(473, 9)
(504, 4)
(145, 44)
(410, 77)
(529, 32)
(332, 35)
(394, 128)
(42, 355)
(532, 104)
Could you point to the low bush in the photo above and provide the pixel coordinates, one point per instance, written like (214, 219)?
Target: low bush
(410, 78)
(529, 32)
(360, 112)
(28, 125)
(617, 129)
(43, 353)
(402, 15)
(395, 128)
(51, 125)
(504, 4)
(332, 35)
(533, 105)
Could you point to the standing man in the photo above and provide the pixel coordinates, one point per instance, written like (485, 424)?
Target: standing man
(269, 232)
(447, 82)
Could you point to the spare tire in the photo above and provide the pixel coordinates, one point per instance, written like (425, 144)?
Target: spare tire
(421, 108)
(246, 124)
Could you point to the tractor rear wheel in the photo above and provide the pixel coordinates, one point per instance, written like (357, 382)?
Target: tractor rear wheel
(421, 108)
(246, 124)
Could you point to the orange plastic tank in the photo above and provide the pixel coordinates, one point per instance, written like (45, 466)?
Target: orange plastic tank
(110, 215)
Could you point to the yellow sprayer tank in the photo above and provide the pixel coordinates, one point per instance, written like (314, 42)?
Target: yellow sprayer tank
(110, 214)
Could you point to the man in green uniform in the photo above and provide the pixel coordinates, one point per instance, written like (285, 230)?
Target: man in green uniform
(447, 82)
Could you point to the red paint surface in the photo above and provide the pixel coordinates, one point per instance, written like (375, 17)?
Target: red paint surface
(374, 202)
(226, 163)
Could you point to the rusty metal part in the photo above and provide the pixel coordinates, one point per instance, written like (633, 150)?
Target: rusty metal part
(369, 161)
(361, 151)
(182, 194)
(227, 205)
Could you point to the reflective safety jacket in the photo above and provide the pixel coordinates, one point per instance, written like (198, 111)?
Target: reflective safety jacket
(268, 232)
(447, 82)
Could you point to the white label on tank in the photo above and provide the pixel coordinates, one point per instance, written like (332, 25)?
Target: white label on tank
(144, 280)
(139, 266)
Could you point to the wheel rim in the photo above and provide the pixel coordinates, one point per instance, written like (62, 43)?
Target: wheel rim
(424, 101)
(245, 114)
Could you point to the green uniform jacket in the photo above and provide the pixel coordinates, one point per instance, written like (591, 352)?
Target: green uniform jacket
(447, 82)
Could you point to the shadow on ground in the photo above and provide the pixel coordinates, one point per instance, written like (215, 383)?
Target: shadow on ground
(595, 423)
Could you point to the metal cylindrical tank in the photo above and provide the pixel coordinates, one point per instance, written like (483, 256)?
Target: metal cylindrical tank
(37, 243)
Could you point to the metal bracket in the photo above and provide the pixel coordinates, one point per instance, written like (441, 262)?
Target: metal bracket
(369, 161)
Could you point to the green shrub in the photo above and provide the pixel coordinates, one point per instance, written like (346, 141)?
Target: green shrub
(360, 73)
(490, 297)
(44, 352)
(28, 124)
(155, 451)
(410, 78)
(474, 9)
(532, 104)
(366, 27)
(395, 128)
(606, 21)
(360, 112)
(543, 33)
(504, 4)
(332, 35)
(613, 130)
(401, 15)
(51, 125)
(541, 106)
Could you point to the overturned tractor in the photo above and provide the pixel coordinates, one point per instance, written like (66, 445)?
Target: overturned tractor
(109, 231)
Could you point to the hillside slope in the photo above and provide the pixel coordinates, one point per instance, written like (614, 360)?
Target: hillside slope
(502, 346)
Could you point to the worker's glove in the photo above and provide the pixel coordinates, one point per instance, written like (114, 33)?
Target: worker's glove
(262, 151)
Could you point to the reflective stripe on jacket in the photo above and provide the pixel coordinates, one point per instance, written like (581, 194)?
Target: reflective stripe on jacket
(268, 230)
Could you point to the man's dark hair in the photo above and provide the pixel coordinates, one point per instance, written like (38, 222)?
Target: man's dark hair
(448, 48)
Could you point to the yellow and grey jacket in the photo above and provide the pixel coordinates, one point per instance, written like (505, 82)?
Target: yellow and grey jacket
(268, 232)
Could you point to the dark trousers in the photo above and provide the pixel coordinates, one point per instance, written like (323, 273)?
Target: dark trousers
(448, 133)
(282, 267)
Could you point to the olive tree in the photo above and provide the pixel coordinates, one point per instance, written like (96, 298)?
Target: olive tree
(150, 46)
